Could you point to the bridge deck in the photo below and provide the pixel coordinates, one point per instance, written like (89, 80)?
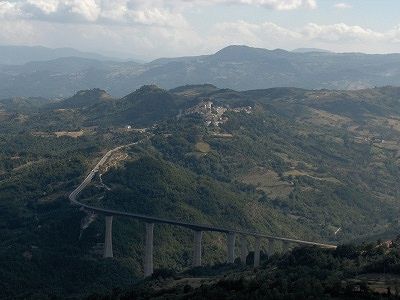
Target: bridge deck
(189, 225)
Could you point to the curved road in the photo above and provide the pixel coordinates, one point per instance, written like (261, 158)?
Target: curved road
(198, 227)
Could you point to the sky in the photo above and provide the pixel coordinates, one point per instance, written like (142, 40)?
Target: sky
(148, 29)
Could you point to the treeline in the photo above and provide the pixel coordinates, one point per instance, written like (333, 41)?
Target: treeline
(304, 273)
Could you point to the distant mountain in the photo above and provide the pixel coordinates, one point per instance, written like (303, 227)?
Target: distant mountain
(63, 77)
(18, 55)
(235, 67)
(306, 50)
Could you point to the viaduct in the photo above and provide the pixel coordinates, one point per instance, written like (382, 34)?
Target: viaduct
(197, 229)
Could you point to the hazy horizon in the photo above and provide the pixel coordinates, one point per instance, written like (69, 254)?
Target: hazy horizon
(126, 56)
(158, 28)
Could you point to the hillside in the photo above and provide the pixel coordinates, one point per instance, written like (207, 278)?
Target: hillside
(83, 98)
(234, 67)
(142, 107)
(21, 104)
(370, 271)
(320, 165)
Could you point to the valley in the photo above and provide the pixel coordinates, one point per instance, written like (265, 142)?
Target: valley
(290, 162)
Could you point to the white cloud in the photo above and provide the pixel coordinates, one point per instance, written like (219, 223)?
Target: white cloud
(271, 4)
(150, 12)
(145, 42)
(311, 31)
(9, 9)
(342, 5)
(153, 28)
(57, 10)
(19, 32)
(145, 11)
(340, 32)
(242, 32)
(281, 4)
(394, 35)
(45, 6)
(89, 9)
(338, 37)
(156, 16)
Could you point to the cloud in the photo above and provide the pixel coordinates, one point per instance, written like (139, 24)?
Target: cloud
(162, 16)
(145, 41)
(139, 12)
(270, 4)
(158, 17)
(45, 6)
(281, 4)
(153, 28)
(340, 32)
(57, 10)
(88, 9)
(311, 31)
(251, 34)
(342, 5)
(19, 32)
(9, 9)
(338, 37)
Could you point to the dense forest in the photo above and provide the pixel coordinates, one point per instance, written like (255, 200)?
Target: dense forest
(369, 271)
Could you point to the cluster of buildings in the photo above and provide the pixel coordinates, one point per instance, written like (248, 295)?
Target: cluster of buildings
(214, 115)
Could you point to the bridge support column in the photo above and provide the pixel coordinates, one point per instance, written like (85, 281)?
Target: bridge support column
(270, 247)
(197, 248)
(108, 248)
(148, 251)
(231, 247)
(243, 250)
(286, 246)
(257, 252)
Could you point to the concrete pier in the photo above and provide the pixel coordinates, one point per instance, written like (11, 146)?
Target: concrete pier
(271, 247)
(197, 248)
(243, 249)
(148, 251)
(108, 248)
(286, 247)
(257, 252)
(231, 247)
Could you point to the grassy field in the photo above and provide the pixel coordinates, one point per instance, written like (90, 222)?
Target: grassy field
(268, 181)
(73, 134)
(202, 147)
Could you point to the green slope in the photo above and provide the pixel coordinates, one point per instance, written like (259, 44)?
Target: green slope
(365, 272)
(297, 163)
(143, 107)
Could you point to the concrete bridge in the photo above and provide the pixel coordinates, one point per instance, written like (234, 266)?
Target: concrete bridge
(197, 229)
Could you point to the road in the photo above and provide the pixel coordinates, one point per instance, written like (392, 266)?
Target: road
(193, 226)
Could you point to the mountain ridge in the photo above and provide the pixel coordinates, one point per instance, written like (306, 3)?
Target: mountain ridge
(234, 67)
(17, 55)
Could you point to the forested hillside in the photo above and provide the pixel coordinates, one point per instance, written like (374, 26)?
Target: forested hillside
(235, 67)
(370, 271)
(319, 165)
